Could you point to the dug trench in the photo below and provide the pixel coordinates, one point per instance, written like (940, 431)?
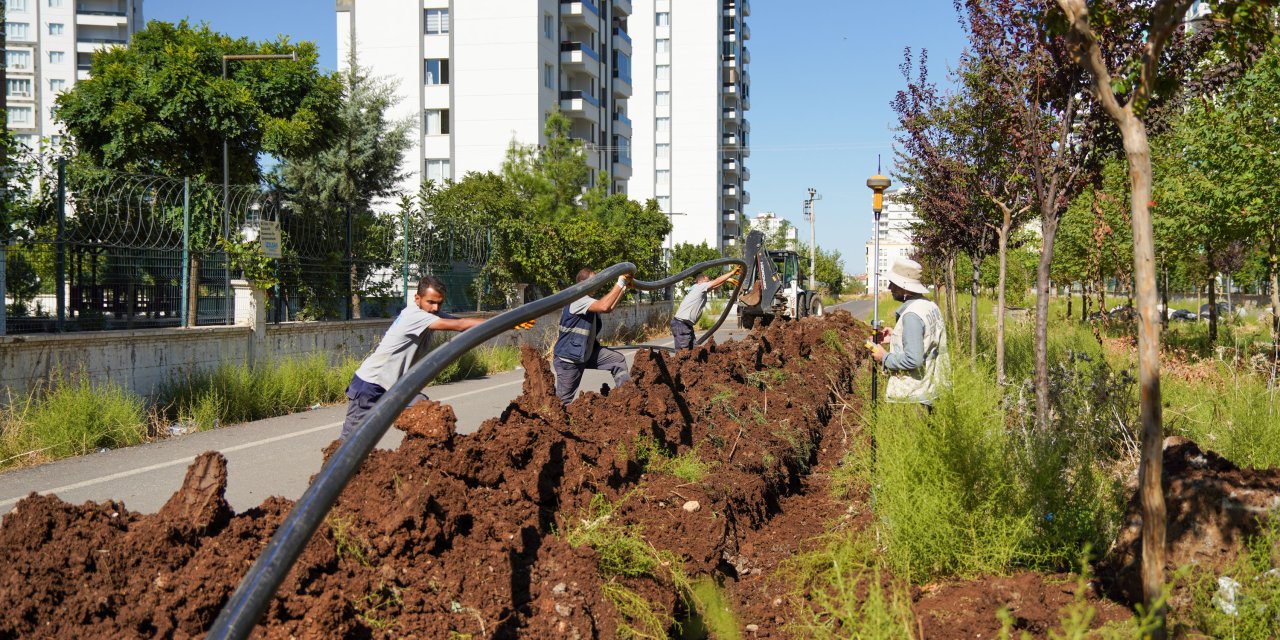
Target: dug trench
(587, 521)
(583, 521)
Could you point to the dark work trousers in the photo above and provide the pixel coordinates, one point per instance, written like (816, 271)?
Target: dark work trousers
(682, 331)
(569, 375)
(360, 401)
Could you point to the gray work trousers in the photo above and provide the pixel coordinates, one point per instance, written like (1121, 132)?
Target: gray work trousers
(569, 374)
(683, 333)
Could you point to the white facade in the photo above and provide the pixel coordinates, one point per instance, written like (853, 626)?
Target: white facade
(692, 92)
(896, 235)
(768, 223)
(480, 76)
(49, 48)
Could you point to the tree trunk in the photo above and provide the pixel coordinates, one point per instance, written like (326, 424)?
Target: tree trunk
(193, 292)
(1049, 230)
(1273, 268)
(1003, 245)
(1213, 309)
(1070, 298)
(1164, 301)
(1138, 150)
(951, 295)
(355, 294)
(1084, 301)
(973, 309)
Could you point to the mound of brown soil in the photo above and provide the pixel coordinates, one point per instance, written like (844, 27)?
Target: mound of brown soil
(1211, 508)
(469, 535)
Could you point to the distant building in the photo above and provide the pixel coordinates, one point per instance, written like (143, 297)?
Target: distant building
(896, 236)
(49, 45)
(768, 223)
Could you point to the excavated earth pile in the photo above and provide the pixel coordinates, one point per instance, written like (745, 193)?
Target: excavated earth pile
(549, 522)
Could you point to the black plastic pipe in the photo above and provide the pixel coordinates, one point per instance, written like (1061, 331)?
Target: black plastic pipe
(670, 280)
(247, 603)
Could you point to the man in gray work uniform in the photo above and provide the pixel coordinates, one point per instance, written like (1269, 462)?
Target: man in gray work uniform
(690, 309)
(577, 347)
(917, 361)
(403, 345)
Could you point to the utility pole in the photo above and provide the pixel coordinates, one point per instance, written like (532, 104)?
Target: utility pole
(813, 237)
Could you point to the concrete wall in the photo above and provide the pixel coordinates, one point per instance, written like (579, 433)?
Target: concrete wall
(143, 360)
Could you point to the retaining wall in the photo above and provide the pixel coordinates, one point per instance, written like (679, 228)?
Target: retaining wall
(143, 360)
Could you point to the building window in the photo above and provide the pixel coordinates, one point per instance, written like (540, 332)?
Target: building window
(18, 60)
(16, 30)
(548, 27)
(663, 19)
(437, 71)
(662, 125)
(18, 87)
(662, 45)
(548, 76)
(662, 177)
(437, 170)
(19, 115)
(56, 57)
(664, 203)
(15, 5)
(57, 85)
(55, 28)
(435, 122)
(437, 21)
(664, 75)
(55, 3)
(28, 140)
(663, 151)
(663, 98)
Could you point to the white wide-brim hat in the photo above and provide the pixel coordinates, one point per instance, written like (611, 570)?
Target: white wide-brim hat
(906, 274)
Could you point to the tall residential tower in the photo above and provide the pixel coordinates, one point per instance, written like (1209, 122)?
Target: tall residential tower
(481, 75)
(49, 46)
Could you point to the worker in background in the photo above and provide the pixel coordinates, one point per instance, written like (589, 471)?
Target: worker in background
(405, 343)
(917, 363)
(690, 309)
(578, 347)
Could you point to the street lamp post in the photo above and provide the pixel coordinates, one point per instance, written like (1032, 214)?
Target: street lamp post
(813, 239)
(226, 180)
(877, 184)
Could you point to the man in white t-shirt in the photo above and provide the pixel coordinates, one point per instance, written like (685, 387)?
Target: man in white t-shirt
(691, 307)
(404, 344)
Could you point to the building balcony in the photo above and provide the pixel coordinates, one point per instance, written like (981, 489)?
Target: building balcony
(621, 86)
(746, 103)
(621, 41)
(746, 174)
(746, 55)
(729, 191)
(744, 150)
(90, 45)
(745, 7)
(730, 89)
(728, 61)
(578, 57)
(746, 32)
(729, 215)
(746, 125)
(746, 197)
(621, 170)
(731, 115)
(730, 35)
(580, 104)
(622, 125)
(101, 18)
(730, 241)
(729, 9)
(729, 166)
(729, 140)
(580, 12)
(622, 7)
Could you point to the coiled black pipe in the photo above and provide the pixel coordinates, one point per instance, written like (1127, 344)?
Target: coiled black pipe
(645, 285)
(245, 607)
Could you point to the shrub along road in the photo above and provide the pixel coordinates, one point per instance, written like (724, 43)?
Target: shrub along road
(269, 457)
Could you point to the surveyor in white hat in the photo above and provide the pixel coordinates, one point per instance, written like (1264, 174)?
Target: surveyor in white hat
(916, 362)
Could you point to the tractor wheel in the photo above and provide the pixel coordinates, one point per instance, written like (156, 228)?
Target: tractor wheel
(816, 309)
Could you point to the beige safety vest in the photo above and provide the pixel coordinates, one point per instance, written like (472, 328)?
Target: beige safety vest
(923, 384)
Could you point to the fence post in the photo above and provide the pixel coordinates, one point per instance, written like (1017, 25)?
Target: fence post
(186, 252)
(60, 287)
(4, 257)
(404, 268)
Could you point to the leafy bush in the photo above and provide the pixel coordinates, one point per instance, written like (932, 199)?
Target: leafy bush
(1245, 602)
(74, 417)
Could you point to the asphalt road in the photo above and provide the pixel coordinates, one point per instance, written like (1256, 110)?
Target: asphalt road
(269, 457)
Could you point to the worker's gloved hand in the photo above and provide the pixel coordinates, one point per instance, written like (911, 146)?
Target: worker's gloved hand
(733, 282)
(737, 271)
(528, 324)
(624, 281)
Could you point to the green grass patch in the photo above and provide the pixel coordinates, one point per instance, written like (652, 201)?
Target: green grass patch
(70, 417)
(1244, 602)
(714, 616)
(846, 593)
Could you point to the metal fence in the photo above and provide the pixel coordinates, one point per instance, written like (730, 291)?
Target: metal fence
(104, 250)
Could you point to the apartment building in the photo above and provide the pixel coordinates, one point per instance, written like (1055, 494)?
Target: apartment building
(896, 232)
(48, 49)
(482, 75)
(689, 108)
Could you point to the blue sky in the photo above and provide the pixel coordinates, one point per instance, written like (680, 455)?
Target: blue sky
(822, 75)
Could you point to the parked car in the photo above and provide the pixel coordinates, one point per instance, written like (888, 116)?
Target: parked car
(1182, 315)
(1225, 310)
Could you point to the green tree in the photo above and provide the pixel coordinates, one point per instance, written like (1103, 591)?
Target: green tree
(335, 189)
(828, 270)
(160, 105)
(687, 254)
